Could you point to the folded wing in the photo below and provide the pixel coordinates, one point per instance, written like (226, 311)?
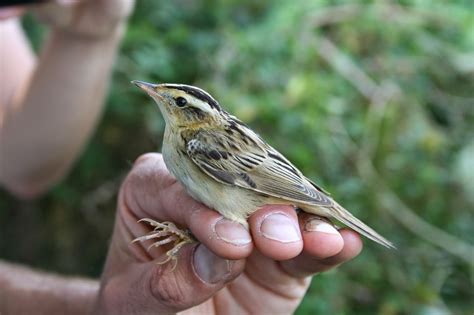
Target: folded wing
(252, 164)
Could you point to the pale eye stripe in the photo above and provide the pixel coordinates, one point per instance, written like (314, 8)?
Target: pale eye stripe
(197, 93)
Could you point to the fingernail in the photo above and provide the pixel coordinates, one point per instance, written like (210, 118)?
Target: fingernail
(209, 267)
(317, 225)
(232, 232)
(280, 227)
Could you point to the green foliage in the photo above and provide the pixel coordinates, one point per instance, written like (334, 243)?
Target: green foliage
(404, 129)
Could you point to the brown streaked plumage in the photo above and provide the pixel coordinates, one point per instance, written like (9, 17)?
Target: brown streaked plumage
(225, 165)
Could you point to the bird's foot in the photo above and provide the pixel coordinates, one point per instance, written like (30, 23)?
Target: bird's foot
(166, 233)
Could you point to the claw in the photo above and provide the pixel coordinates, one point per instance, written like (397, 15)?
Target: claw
(167, 232)
(150, 236)
(167, 240)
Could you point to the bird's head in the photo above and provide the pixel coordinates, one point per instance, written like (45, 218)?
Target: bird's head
(183, 106)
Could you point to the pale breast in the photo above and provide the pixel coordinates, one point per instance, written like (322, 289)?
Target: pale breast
(232, 202)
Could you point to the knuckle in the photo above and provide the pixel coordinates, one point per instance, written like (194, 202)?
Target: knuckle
(146, 169)
(168, 290)
(147, 157)
(149, 166)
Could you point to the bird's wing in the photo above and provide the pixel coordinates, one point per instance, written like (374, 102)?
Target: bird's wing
(252, 164)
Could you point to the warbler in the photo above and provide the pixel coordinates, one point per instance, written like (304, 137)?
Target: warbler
(225, 165)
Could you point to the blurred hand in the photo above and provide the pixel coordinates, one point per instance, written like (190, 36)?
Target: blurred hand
(92, 18)
(231, 270)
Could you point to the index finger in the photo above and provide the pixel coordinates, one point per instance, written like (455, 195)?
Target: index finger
(150, 191)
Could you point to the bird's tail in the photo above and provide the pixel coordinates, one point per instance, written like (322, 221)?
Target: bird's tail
(341, 214)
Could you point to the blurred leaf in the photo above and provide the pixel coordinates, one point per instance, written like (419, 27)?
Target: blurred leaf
(261, 61)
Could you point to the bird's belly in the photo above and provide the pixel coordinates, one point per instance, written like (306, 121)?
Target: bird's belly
(232, 202)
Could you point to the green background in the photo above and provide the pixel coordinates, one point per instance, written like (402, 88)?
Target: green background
(372, 100)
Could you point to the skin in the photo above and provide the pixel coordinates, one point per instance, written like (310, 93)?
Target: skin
(203, 282)
(33, 157)
(231, 271)
(41, 136)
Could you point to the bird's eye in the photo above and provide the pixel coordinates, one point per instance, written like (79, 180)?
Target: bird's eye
(181, 101)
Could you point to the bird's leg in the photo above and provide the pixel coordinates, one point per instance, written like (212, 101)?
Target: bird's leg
(166, 232)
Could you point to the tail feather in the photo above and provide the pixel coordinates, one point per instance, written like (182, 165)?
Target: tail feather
(341, 214)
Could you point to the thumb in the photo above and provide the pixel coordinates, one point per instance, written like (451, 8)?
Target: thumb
(153, 288)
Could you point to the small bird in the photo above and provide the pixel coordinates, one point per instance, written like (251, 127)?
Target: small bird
(224, 164)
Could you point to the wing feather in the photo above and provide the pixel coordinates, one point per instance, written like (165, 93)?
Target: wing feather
(252, 165)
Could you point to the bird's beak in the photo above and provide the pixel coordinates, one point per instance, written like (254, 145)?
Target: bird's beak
(150, 88)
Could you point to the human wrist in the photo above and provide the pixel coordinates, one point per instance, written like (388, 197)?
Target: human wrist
(106, 33)
(86, 19)
(27, 291)
(81, 296)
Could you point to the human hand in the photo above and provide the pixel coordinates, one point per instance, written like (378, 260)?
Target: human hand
(232, 270)
(85, 17)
